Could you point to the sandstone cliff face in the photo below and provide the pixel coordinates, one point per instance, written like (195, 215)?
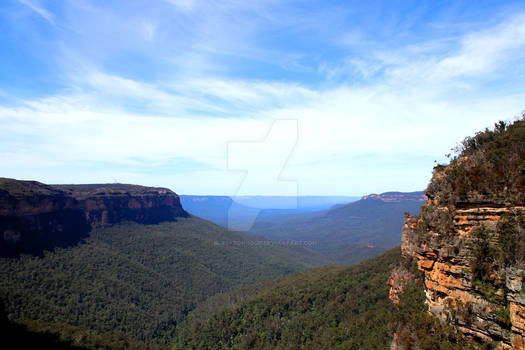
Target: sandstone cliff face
(493, 310)
(469, 238)
(36, 217)
(112, 203)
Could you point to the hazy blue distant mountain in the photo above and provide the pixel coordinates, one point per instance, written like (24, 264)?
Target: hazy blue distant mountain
(242, 211)
(212, 208)
(346, 233)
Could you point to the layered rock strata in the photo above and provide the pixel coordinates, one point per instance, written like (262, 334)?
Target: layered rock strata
(36, 217)
(492, 310)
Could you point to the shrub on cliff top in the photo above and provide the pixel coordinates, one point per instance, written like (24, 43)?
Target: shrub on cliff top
(489, 166)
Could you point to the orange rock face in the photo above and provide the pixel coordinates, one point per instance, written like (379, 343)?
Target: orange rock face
(399, 277)
(446, 260)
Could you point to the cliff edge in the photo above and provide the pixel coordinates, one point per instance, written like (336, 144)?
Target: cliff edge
(469, 239)
(106, 204)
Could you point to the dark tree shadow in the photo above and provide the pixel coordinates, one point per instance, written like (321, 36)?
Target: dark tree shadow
(36, 233)
(16, 336)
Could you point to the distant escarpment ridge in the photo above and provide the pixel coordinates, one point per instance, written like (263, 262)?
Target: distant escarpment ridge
(397, 196)
(35, 216)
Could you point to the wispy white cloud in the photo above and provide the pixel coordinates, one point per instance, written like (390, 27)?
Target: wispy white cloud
(474, 55)
(116, 91)
(40, 10)
(482, 52)
(248, 95)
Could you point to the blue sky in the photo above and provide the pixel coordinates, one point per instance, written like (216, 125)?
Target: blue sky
(153, 92)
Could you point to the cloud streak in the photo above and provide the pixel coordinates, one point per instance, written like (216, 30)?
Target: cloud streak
(40, 10)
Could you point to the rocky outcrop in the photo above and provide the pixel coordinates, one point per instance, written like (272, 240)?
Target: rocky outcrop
(35, 217)
(492, 309)
(108, 204)
(399, 278)
(469, 238)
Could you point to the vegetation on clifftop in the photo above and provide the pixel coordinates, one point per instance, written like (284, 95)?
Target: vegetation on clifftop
(489, 166)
